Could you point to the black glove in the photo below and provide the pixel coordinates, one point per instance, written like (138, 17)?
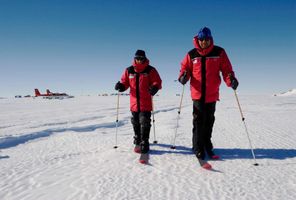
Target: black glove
(153, 90)
(183, 78)
(234, 82)
(119, 86)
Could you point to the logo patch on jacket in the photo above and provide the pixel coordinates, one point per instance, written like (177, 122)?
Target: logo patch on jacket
(195, 60)
(131, 76)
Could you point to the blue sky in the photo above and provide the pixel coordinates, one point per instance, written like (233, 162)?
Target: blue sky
(83, 46)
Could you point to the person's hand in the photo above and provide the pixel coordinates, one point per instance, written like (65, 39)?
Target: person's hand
(234, 82)
(183, 79)
(119, 86)
(153, 90)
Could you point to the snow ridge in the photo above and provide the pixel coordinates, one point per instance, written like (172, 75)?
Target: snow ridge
(291, 92)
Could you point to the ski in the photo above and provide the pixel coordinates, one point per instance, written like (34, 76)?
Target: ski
(204, 164)
(137, 149)
(212, 155)
(144, 158)
(215, 157)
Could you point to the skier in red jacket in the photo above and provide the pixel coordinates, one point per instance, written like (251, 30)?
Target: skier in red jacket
(202, 65)
(144, 82)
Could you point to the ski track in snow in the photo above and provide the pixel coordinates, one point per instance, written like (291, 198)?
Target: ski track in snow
(63, 150)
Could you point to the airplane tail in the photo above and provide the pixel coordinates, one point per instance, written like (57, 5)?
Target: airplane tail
(48, 92)
(37, 93)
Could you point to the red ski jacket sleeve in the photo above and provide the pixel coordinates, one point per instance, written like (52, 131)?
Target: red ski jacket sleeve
(125, 79)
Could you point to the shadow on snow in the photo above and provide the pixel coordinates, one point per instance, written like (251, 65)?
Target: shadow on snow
(13, 141)
(177, 150)
(227, 154)
(2, 157)
(236, 153)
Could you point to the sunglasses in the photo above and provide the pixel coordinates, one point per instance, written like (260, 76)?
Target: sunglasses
(204, 39)
(140, 58)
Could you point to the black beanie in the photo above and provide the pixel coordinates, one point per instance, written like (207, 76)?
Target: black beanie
(140, 53)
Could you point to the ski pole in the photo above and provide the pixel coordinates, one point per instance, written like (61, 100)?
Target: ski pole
(178, 117)
(243, 119)
(117, 111)
(155, 141)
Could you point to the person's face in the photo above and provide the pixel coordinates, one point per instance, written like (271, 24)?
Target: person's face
(139, 60)
(204, 43)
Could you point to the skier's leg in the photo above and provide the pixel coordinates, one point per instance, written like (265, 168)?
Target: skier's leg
(210, 119)
(197, 131)
(136, 126)
(145, 124)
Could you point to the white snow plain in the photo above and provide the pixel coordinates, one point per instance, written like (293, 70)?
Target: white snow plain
(63, 150)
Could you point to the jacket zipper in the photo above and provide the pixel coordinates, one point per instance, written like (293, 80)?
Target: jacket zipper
(203, 79)
(138, 91)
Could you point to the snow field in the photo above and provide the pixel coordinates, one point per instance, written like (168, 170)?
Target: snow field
(63, 149)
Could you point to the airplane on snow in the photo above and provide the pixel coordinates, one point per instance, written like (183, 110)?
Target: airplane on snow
(51, 95)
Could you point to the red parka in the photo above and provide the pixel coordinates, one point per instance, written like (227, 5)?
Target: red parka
(203, 67)
(140, 78)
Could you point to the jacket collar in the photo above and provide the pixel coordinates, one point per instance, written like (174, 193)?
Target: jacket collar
(140, 67)
(201, 51)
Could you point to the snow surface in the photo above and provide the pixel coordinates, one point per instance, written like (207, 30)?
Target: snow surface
(63, 150)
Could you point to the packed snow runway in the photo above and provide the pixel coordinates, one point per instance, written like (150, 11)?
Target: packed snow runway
(63, 150)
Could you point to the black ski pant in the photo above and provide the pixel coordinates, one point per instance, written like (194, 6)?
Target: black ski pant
(203, 121)
(141, 122)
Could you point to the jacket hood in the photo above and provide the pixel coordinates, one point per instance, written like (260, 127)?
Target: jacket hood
(201, 51)
(140, 67)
